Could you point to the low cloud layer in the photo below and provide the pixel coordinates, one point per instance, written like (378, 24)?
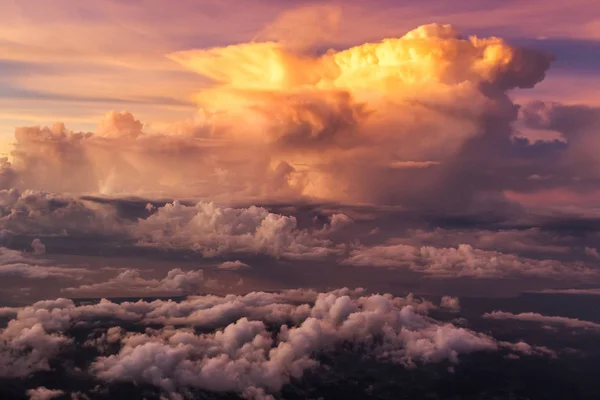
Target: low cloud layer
(43, 393)
(465, 261)
(233, 265)
(132, 283)
(16, 263)
(213, 231)
(261, 342)
(544, 319)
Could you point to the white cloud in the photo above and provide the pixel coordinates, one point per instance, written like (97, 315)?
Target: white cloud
(338, 126)
(42, 393)
(450, 303)
(40, 213)
(130, 281)
(543, 319)
(592, 252)
(233, 265)
(205, 227)
(246, 355)
(39, 248)
(213, 230)
(244, 352)
(532, 240)
(25, 349)
(465, 261)
(592, 291)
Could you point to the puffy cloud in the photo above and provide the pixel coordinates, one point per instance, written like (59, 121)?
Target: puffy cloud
(543, 319)
(130, 281)
(213, 230)
(394, 121)
(532, 240)
(119, 159)
(35, 334)
(450, 303)
(445, 97)
(205, 227)
(245, 356)
(25, 349)
(429, 52)
(43, 393)
(216, 230)
(261, 341)
(79, 396)
(233, 265)
(465, 261)
(44, 213)
(120, 124)
(39, 248)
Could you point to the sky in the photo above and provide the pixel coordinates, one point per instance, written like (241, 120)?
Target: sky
(289, 176)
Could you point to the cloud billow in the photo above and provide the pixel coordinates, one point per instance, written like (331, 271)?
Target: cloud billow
(280, 124)
(253, 344)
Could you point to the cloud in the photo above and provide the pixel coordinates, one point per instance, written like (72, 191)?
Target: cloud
(532, 240)
(246, 355)
(465, 261)
(594, 291)
(25, 349)
(131, 282)
(448, 104)
(120, 124)
(450, 303)
(206, 228)
(42, 393)
(15, 263)
(279, 124)
(39, 248)
(419, 73)
(44, 213)
(543, 319)
(251, 343)
(303, 27)
(213, 230)
(233, 265)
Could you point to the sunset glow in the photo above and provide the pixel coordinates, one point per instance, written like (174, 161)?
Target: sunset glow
(206, 199)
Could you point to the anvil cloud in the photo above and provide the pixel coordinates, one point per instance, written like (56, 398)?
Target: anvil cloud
(281, 123)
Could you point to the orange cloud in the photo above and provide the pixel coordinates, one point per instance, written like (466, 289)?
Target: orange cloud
(355, 125)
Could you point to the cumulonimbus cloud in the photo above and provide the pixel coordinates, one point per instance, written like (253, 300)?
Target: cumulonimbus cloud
(394, 121)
